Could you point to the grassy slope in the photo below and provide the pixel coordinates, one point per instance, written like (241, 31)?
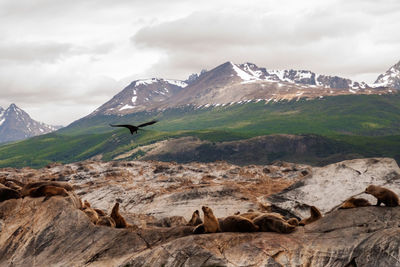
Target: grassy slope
(369, 124)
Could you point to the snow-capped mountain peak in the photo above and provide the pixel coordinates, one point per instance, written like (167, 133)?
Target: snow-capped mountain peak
(140, 94)
(16, 124)
(391, 78)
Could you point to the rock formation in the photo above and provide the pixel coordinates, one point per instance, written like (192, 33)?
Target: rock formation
(153, 195)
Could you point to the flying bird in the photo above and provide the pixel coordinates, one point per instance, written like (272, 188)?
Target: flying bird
(133, 128)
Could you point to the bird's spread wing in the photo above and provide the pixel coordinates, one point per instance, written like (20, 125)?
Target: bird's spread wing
(147, 123)
(121, 125)
(131, 128)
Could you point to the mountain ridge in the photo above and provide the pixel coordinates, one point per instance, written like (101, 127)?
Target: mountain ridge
(16, 124)
(230, 83)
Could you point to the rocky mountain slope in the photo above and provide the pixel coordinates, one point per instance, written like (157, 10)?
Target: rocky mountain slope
(231, 83)
(16, 124)
(39, 232)
(141, 94)
(391, 78)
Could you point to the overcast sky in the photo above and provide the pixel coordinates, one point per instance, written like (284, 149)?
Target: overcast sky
(60, 60)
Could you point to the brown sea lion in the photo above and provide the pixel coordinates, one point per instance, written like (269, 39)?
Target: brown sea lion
(106, 221)
(195, 220)
(237, 223)
(86, 204)
(384, 195)
(100, 212)
(29, 186)
(12, 185)
(120, 221)
(251, 215)
(6, 180)
(272, 223)
(210, 223)
(92, 214)
(315, 215)
(293, 221)
(8, 193)
(47, 191)
(354, 203)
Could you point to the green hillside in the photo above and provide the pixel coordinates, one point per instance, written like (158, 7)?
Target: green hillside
(367, 125)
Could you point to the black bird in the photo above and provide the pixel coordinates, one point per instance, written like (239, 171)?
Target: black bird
(133, 128)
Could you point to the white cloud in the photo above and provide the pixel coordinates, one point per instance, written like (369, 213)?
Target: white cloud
(348, 38)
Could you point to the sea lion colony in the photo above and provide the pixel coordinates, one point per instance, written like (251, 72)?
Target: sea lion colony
(251, 221)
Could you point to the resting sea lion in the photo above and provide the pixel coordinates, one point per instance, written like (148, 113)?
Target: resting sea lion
(315, 215)
(237, 223)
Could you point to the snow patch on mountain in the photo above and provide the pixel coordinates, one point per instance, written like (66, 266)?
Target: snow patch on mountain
(126, 107)
(242, 74)
(177, 83)
(145, 82)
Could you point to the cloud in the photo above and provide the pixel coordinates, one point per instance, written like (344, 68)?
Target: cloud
(335, 38)
(48, 52)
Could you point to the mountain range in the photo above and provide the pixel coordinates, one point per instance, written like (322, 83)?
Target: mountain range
(16, 124)
(239, 83)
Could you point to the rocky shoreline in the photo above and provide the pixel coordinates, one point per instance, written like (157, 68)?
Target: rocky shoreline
(34, 232)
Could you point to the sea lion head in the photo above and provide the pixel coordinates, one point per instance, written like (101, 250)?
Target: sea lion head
(370, 189)
(206, 210)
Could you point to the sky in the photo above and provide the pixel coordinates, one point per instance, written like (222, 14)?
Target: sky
(60, 60)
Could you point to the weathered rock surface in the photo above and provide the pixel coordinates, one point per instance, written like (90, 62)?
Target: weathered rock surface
(55, 233)
(329, 186)
(168, 189)
(160, 197)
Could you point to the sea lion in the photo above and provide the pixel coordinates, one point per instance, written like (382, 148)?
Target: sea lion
(254, 214)
(195, 220)
(199, 229)
(29, 186)
(237, 223)
(92, 214)
(8, 193)
(86, 204)
(6, 180)
(106, 221)
(120, 221)
(12, 185)
(315, 215)
(100, 212)
(293, 221)
(210, 223)
(250, 215)
(354, 203)
(47, 191)
(384, 195)
(272, 223)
